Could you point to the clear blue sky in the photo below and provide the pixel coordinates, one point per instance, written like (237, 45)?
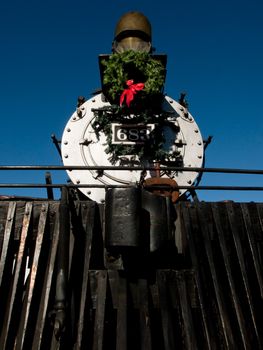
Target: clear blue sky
(49, 56)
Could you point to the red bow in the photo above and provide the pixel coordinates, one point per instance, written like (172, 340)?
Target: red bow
(130, 92)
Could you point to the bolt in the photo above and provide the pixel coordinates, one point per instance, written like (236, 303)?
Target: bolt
(81, 100)
(79, 112)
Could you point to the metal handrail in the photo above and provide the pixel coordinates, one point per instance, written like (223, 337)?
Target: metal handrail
(231, 188)
(135, 168)
(100, 169)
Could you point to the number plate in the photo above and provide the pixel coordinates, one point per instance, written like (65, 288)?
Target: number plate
(129, 134)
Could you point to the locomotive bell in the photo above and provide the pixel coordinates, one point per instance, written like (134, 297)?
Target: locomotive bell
(132, 32)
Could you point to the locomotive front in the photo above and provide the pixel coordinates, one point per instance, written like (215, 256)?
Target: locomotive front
(132, 123)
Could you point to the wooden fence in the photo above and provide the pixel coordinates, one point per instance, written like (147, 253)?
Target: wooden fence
(207, 295)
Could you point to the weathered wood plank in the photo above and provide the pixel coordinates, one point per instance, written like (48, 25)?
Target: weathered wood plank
(190, 234)
(252, 245)
(98, 340)
(167, 324)
(231, 282)
(121, 331)
(203, 212)
(185, 306)
(17, 275)
(45, 295)
(88, 215)
(32, 279)
(7, 234)
(241, 261)
(145, 319)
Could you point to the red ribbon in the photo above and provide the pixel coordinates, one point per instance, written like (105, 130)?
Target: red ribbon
(130, 92)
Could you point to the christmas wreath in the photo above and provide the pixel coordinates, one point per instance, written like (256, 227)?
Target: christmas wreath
(125, 75)
(136, 69)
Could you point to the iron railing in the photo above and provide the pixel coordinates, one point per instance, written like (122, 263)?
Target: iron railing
(100, 169)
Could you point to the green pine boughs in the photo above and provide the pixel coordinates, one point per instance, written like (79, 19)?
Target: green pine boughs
(145, 108)
(152, 149)
(141, 67)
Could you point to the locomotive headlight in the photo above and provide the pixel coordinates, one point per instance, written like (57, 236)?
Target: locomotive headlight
(133, 32)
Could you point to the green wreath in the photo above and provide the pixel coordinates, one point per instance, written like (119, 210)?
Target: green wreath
(141, 67)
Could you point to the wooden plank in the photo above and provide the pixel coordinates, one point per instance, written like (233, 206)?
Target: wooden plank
(32, 278)
(196, 263)
(88, 215)
(185, 307)
(145, 320)
(231, 282)
(203, 212)
(242, 264)
(121, 332)
(98, 340)
(7, 235)
(252, 245)
(17, 274)
(45, 295)
(167, 324)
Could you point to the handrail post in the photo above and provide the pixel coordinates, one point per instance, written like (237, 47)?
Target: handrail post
(62, 266)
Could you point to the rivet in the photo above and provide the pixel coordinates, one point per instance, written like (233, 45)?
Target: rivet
(200, 157)
(171, 101)
(196, 130)
(199, 143)
(88, 192)
(65, 142)
(189, 182)
(43, 210)
(93, 100)
(68, 129)
(78, 181)
(9, 219)
(66, 155)
(74, 118)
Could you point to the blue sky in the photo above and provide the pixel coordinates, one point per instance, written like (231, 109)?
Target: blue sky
(49, 56)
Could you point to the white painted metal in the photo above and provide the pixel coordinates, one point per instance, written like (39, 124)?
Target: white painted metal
(80, 146)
